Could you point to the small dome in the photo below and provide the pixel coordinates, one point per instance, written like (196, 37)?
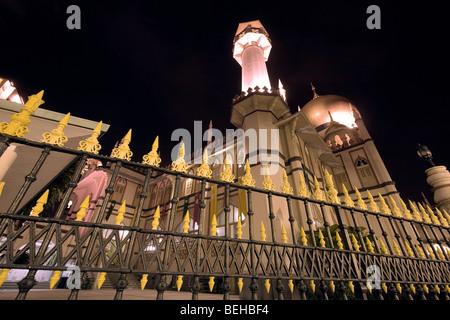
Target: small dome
(318, 111)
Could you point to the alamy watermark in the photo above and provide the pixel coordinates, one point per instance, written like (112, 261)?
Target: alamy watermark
(374, 278)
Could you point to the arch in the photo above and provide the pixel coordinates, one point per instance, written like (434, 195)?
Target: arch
(365, 172)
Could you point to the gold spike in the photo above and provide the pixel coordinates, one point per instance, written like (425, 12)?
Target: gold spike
(360, 202)
(347, 200)
(91, 144)
(19, 121)
(283, 234)
(267, 285)
(204, 170)
(286, 187)
(55, 278)
(303, 191)
(420, 251)
(438, 290)
(211, 283)
(227, 175)
(332, 286)
(372, 204)
(384, 207)
(416, 214)
(369, 245)
(180, 164)
(152, 158)
(434, 219)
(321, 241)
(186, 220)
(3, 276)
(291, 285)
(369, 286)
(101, 280)
(332, 192)
(56, 136)
(385, 289)
(406, 212)
(355, 243)
(39, 207)
(247, 179)
(413, 289)
(426, 217)
(263, 232)
(312, 285)
(239, 229)
(396, 248)
(156, 216)
(395, 210)
(2, 185)
(351, 286)
(447, 287)
(447, 216)
(318, 194)
(179, 282)
(144, 281)
(425, 288)
(409, 250)
(123, 150)
(338, 240)
(267, 183)
(382, 247)
(240, 283)
(440, 254)
(441, 218)
(83, 207)
(214, 225)
(303, 237)
(399, 287)
(120, 213)
(430, 252)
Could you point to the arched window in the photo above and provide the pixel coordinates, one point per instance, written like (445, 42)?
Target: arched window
(365, 172)
(216, 168)
(119, 190)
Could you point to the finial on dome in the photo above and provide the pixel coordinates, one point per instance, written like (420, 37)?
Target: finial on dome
(314, 90)
(331, 118)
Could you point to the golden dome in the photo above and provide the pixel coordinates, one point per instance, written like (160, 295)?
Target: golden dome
(318, 111)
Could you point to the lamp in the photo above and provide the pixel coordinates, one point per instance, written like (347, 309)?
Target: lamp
(424, 153)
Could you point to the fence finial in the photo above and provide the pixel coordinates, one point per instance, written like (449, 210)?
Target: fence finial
(204, 170)
(83, 207)
(420, 251)
(156, 216)
(355, 243)
(247, 179)
(226, 175)
(57, 136)
(441, 218)
(416, 214)
(303, 191)
(144, 281)
(240, 284)
(211, 283)
(434, 219)
(214, 225)
(91, 144)
(409, 250)
(263, 232)
(239, 228)
(396, 248)
(360, 202)
(406, 212)
(19, 121)
(384, 207)
(55, 278)
(332, 192)
(152, 158)
(286, 187)
(318, 194)
(283, 234)
(321, 241)
(180, 165)
(101, 280)
(179, 282)
(395, 210)
(347, 200)
(426, 217)
(267, 285)
(120, 213)
(186, 221)
(267, 183)
(39, 207)
(339, 241)
(372, 204)
(382, 247)
(369, 245)
(430, 252)
(123, 150)
(3, 276)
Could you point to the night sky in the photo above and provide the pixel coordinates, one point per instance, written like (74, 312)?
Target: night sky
(158, 66)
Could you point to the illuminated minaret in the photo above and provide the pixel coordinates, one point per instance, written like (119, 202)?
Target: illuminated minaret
(251, 50)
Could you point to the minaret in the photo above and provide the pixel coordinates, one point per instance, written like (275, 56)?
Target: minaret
(251, 50)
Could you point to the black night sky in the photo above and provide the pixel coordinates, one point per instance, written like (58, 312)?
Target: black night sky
(158, 66)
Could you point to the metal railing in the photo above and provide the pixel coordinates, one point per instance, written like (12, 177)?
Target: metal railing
(405, 254)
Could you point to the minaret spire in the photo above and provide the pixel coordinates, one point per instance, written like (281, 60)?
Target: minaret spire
(251, 50)
(314, 90)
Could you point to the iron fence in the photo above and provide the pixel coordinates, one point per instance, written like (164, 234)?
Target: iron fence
(409, 255)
